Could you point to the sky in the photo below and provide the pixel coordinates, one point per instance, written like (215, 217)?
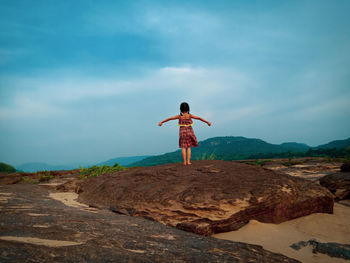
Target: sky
(85, 81)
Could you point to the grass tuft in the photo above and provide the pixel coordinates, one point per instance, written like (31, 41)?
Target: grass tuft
(99, 170)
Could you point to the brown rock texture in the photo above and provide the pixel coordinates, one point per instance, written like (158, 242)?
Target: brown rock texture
(206, 197)
(345, 167)
(338, 184)
(14, 178)
(37, 228)
(10, 178)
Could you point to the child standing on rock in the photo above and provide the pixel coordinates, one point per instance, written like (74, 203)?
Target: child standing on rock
(187, 138)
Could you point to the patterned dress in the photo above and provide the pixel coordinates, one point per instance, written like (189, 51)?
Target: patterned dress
(187, 138)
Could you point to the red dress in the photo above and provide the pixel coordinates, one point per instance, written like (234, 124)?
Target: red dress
(187, 138)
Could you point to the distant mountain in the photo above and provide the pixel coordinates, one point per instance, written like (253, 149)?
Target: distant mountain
(238, 148)
(219, 148)
(34, 167)
(339, 144)
(295, 147)
(124, 161)
(225, 148)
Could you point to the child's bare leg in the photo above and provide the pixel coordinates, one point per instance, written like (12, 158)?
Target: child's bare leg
(184, 155)
(189, 155)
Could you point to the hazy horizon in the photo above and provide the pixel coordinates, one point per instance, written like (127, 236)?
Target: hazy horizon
(72, 163)
(93, 84)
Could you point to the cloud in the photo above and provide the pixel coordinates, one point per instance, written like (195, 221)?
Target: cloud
(108, 72)
(37, 95)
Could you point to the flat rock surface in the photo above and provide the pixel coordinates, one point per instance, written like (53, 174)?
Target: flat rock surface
(308, 168)
(206, 197)
(34, 227)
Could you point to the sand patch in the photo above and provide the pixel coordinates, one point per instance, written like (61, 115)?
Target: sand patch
(41, 226)
(40, 241)
(278, 237)
(4, 197)
(136, 251)
(35, 214)
(4, 200)
(165, 236)
(286, 189)
(68, 198)
(51, 184)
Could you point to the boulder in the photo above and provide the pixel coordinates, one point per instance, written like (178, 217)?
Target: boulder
(206, 197)
(345, 167)
(338, 183)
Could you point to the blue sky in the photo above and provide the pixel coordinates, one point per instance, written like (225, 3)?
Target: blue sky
(85, 81)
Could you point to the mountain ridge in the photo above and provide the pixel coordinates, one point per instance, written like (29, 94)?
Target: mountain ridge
(237, 148)
(232, 148)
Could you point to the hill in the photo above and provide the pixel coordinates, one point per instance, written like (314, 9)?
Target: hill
(225, 148)
(37, 166)
(4, 167)
(240, 148)
(338, 144)
(124, 161)
(34, 167)
(295, 147)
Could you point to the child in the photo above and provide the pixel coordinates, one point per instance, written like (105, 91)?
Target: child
(187, 138)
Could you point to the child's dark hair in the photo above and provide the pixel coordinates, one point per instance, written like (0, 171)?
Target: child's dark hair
(184, 108)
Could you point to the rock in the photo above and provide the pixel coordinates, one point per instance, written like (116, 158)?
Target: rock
(69, 186)
(338, 183)
(12, 178)
(206, 197)
(345, 167)
(331, 249)
(36, 228)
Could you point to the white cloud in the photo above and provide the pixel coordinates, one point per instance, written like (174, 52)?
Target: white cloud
(40, 96)
(27, 107)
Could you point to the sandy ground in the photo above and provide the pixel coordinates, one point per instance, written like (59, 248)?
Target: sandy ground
(278, 237)
(40, 241)
(70, 199)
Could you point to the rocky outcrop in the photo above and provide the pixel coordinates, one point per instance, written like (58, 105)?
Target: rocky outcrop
(345, 167)
(36, 228)
(10, 178)
(38, 177)
(338, 183)
(206, 197)
(331, 249)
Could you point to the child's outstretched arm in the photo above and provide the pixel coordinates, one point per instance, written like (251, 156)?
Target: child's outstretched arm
(201, 119)
(169, 119)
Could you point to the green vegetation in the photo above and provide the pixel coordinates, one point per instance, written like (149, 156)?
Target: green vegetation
(38, 177)
(29, 180)
(291, 162)
(99, 170)
(7, 168)
(44, 176)
(329, 152)
(240, 148)
(259, 162)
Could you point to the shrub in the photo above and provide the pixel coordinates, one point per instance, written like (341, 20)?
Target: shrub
(99, 170)
(29, 180)
(7, 168)
(259, 162)
(291, 162)
(44, 176)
